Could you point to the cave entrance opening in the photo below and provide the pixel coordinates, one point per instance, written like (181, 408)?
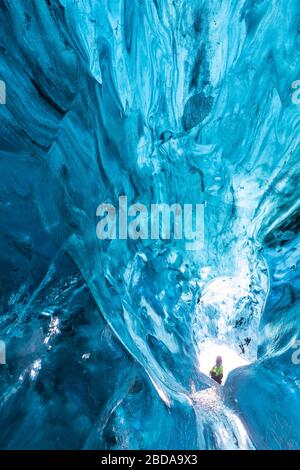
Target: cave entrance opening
(209, 350)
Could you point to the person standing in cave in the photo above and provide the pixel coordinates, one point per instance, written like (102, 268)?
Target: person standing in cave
(216, 373)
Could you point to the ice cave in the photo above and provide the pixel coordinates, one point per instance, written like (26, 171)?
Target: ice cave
(108, 342)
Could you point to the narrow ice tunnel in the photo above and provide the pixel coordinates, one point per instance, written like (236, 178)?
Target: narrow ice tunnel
(209, 352)
(109, 339)
(232, 332)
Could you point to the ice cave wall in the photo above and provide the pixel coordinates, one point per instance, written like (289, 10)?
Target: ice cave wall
(163, 101)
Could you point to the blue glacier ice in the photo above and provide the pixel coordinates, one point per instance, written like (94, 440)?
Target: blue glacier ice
(164, 101)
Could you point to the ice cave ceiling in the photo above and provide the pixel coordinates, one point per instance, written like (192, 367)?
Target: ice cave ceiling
(165, 102)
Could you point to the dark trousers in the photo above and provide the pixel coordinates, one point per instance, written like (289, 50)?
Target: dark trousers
(217, 378)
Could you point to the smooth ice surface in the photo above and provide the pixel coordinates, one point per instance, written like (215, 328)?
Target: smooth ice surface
(186, 101)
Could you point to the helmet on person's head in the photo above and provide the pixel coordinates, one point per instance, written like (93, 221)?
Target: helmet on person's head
(219, 360)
